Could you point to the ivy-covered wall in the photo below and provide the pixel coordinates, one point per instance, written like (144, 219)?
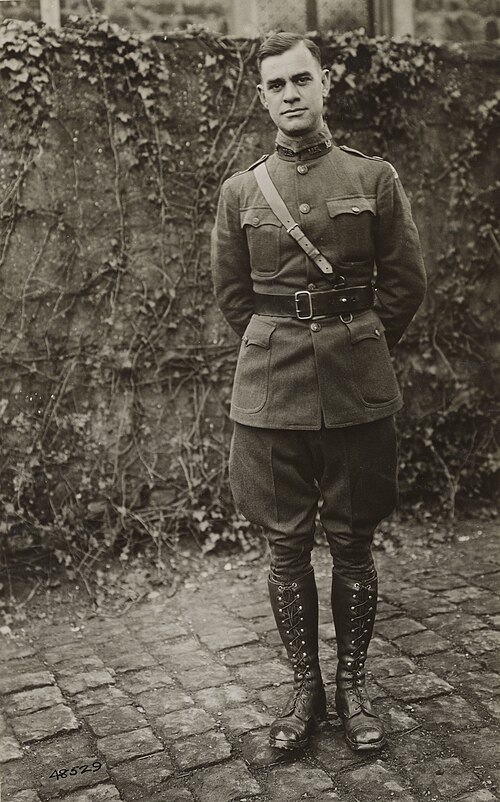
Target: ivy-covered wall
(115, 365)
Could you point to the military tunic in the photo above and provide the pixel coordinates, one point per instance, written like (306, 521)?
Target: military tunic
(335, 371)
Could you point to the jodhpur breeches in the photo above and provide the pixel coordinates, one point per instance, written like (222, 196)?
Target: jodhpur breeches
(280, 477)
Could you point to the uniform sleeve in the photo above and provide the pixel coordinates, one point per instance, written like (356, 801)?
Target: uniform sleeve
(230, 261)
(401, 279)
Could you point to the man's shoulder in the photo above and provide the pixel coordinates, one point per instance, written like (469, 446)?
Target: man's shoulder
(241, 183)
(249, 169)
(352, 152)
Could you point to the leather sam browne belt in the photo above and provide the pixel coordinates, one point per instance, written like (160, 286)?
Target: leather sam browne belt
(306, 305)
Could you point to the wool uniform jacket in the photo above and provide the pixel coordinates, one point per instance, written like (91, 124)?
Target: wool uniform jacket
(334, 371)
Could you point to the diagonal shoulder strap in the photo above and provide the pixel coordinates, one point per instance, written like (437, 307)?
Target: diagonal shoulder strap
(280, 209)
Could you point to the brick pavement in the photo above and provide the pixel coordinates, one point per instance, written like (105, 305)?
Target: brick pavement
(171, 701)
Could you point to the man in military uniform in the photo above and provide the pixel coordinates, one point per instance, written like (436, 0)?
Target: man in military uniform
(318, 293)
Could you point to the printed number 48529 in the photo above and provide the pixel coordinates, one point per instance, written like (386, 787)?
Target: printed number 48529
(61, 774)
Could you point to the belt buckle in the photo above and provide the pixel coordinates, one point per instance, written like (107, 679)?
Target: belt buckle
(297, 303)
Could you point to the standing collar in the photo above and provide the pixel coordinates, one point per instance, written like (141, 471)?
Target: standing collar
(304, 147)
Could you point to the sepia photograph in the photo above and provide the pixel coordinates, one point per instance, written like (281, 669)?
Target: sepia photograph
(249, 401)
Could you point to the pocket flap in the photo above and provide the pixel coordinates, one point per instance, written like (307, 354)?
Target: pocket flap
(258, 216)
(258, 332)
(338, 206)
(363, 328)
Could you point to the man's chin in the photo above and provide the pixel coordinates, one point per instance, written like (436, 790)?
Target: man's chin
(295, 127)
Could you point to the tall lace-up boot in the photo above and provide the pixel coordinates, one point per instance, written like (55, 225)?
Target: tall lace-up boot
(295, 608)
(354, 605)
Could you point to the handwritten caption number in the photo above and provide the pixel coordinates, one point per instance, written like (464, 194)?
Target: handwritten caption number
(61, 774)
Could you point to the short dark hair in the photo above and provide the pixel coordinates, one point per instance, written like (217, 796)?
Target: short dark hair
(279, 43)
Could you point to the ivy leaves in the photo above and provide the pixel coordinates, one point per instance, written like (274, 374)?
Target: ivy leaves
(376, 79)
(27, 54)
(167, 122)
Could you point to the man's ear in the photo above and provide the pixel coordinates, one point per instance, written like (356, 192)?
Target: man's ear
(326, 81)
(260, 92)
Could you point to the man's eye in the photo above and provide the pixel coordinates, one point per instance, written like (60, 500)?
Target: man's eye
(302, 80)
(275, 87)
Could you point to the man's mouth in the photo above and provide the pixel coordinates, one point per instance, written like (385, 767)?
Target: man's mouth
(293, 112)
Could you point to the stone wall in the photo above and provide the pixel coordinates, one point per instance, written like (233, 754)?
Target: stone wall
(146, 16)
(444, 20)
(458, 20)
(127, 402)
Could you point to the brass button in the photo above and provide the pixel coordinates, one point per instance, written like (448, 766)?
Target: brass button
(255, 221)
(302, 169)
(355, 209)
(304, 208)
(311, 287)
(377, 333)
(315, 326)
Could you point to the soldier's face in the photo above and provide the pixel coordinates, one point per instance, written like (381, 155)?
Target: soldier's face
(293, 88)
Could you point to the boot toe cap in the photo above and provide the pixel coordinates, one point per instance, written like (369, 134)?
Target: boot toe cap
(291, 734)
(367, 736)
(285, 732)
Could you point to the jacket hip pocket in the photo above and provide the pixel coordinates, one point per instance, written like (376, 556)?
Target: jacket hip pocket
(251, 380)
(372, 368)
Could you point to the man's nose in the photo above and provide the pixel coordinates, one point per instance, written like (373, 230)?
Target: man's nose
(290, 94)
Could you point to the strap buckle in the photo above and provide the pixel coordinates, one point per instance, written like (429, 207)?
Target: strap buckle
(300, 316)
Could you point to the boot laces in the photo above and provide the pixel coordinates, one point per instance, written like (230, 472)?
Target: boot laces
(291, 614)
(362, 611)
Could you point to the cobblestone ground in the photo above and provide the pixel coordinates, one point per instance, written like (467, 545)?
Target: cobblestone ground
(171, 701)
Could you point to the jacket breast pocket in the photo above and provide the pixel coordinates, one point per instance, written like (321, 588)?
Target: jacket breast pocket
(262, 229)
(353, 228)
(251, 380)
(373, 373)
